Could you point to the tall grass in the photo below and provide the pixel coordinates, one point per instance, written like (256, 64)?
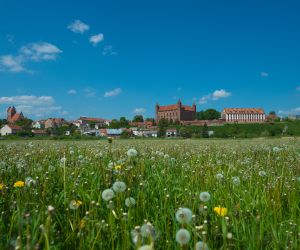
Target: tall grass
(61, 204)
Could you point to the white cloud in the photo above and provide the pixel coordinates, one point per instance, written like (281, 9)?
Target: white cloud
(294, 111)
(108, 51)
(139, 110)
(37, 52)
(27, 100)
(113, 92)
(72, 92)
(216, 95)
(222, 93)
(78, 27)
(264, 74)
(96, 39)
(89, 92)
(39, 106)
(298, 88)
(41, 51)
(11, 63)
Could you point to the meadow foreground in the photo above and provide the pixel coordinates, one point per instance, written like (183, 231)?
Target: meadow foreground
(150, 194)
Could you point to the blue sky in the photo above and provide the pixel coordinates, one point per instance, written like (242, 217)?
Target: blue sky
(118, 58)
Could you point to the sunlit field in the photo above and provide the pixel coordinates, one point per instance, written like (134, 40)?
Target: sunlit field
(150, 194)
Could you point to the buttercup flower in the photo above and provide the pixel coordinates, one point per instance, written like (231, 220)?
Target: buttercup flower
(221, 211)
(19, 184)
(118, 167)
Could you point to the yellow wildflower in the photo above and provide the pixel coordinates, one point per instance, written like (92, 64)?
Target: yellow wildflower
(74, 204)
(77, 203)
(221, 211)
(118, 167)
(19, 184)
(1, 186)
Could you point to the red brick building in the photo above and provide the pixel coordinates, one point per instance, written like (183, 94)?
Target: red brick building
(176, 112)
(13, 116)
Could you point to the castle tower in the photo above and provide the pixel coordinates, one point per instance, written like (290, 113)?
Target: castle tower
(11, 111)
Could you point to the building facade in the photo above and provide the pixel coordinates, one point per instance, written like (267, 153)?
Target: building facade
(10, 129)
(176, 112)
(13, 116)
(243, 115)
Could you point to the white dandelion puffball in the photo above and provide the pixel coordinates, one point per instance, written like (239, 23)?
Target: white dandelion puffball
(204, 196)
(130, 202)
(146, 247)
(219, 176)
(200, 245)
(262, 173)
(146, 230)
(119, 187)
(183, 236)
(29, 182)
(184, 215)
(108, 194)
(132, 152)
(236, 180)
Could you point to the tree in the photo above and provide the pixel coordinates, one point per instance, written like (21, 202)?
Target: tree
(184, 132)
(114, 124)
(123, 122)
(205, 131)
(209, 114)
(272, 113)
(125, 134)
(162, 127)
(25, 123)
(138, 118)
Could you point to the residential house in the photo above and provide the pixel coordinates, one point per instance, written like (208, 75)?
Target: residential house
(39, 132)
(100, 122)
(10, 129)
(54, 122)
(38, 124)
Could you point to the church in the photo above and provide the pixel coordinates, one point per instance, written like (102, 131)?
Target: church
(13, 116)
(176, 112)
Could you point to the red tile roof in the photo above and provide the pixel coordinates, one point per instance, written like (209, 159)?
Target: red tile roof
(244, 111)
(39, 132)
(168, 107)
(83, 118)
(14, 127)
(188, 108)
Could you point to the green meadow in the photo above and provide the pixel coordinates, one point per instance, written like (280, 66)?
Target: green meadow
(150, 194)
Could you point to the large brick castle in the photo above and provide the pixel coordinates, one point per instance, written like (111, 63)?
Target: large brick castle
(176, 112)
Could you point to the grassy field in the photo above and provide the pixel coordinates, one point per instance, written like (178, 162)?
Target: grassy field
(150, 194)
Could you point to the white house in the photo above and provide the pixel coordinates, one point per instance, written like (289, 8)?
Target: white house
(172, 132)
(37, 125)
(10, 129)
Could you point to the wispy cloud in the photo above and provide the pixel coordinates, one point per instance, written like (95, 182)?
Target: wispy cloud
(72, 92)
(264, 74)
(298, 88)
(109, 51)
(139, 110)
(12, 63)
(294, 111)
(32, 52)
(216, 95)
(95, 39)
(89, 92)
(10, 38)
(113, 92)
(78, 27)
(39, 106)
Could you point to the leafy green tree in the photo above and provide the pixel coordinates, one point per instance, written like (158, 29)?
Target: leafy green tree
(209, 114)
(162, 127)
(123, 122)
(114, 124)
(138, 118)
(25, 123)
(125, 134)
(184, 132)
(205, 131)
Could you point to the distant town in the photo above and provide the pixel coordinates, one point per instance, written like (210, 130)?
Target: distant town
(170, 121)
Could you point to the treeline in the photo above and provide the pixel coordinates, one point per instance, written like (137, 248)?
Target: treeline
(287, 128)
